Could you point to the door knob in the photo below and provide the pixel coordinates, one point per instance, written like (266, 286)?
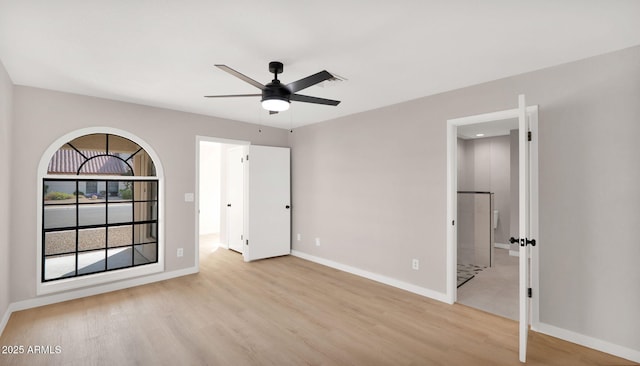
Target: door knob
(228, 205)
(287, 207)
(523, 242)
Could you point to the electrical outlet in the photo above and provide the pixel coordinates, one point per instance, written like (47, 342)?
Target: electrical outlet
(415, 264)
(317, 242)
(180, 252)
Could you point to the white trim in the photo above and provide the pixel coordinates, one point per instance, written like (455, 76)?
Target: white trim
(98, 278)
(502, 246)
(587, 341)
(452, 212)
(200, 139)
(101, 277)
(5, 319)
(373, 276)
(514, 253)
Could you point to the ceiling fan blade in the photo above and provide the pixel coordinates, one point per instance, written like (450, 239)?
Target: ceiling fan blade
(308, 99)
(233, 95)
(241, 76)
(309, 81)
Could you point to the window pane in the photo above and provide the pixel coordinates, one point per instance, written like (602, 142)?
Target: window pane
(146, 191)
(90, 262)
(59, 242)
(65, 161)
(120, 236)
(145, 211)
(92, 191)
(120, 191)
(58, 192)
(92, 214)
(120, 212)
(59, 216)
(95, 238)
(91, 188)
(142, 164)
(144, 233)
(122, 146)
(119, 258)
(94, 142)
(59, 266)
(146, 253)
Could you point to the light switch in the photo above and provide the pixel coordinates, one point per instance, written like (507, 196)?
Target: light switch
(188, 197)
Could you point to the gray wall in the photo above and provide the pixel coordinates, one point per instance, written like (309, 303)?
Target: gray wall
(6, 106)
(372, 186)
(484, 165)
(42, 116)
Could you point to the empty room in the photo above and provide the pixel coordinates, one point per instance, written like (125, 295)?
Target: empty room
(319, 183)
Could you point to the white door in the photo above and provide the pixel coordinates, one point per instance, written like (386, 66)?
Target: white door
(524, 228)
(268, 195)
(235, 201)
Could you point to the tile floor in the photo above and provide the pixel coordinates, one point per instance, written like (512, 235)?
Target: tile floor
(494, 289)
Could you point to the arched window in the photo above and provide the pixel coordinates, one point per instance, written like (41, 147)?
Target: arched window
(100, 206)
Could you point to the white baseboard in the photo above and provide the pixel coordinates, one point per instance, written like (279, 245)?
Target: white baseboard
(514, 253)
(5, 319)
(590, 342)
(502, 246)
(90, 291)
(375, 277)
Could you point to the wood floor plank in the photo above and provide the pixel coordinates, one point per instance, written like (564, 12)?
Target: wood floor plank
(282, 311)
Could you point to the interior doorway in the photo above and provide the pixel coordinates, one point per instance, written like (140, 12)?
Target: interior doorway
(528, 282)
(220, 194)
(487, 203)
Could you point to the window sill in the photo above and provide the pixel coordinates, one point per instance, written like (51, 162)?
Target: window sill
(97, 279)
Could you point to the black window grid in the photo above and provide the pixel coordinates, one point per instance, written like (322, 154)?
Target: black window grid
(133, 223)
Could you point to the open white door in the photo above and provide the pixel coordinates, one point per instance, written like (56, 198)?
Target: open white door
(524, 220)
(235, 194)
(268, 194)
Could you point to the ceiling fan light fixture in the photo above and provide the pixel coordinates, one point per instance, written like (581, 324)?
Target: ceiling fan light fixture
(275, 104)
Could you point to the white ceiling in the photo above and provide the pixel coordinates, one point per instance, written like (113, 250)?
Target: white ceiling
(161, 53)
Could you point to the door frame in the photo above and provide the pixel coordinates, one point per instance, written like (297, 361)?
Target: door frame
(196, 205)
(452, 183)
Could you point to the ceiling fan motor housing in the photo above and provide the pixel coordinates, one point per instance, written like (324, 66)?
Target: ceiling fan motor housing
(275, 90)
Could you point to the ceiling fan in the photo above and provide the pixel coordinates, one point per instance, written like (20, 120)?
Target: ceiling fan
(276, 96)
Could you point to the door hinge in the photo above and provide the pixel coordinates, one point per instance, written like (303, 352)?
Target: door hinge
(241, 237)
(528, 135)
(247, 241)
(242, 160)
(529, 292)
(247, 157)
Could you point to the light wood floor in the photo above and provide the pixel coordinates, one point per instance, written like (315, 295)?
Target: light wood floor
(282, 311)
